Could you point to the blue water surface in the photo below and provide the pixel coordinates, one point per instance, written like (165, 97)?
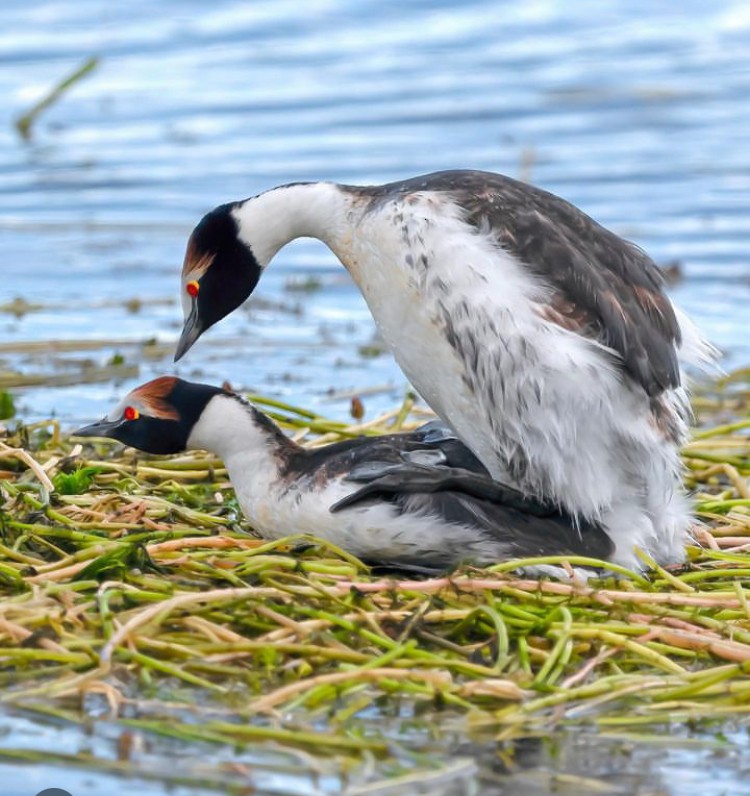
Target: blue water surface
(636, 111)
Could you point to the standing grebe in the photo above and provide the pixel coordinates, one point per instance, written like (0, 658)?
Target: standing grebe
(543, 339)
(420, 500)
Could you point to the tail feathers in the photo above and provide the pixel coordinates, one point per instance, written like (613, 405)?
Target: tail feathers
(694, 349)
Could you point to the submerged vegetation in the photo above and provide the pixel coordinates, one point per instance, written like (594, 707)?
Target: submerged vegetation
(134, 579)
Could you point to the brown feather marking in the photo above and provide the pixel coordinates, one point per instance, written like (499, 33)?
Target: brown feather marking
(573, 255)
(565, 313)
(610, 298)
(152, 395)
(652, 303)
(196, 263)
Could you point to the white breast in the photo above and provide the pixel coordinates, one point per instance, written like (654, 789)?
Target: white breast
(541, 406)
(414, 264)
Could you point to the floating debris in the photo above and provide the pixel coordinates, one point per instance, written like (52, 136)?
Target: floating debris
(356, 408)
(673, 272)
(305, 284)
(25, 122)
(88, 374)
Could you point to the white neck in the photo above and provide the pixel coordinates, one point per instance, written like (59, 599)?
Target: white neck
(306, 210)
(227, 428)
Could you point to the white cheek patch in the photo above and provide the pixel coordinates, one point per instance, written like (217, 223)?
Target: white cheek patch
(186, 300)
(116, 413)
(119, 410)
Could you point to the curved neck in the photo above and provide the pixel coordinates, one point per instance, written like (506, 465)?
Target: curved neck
(301, 210)
(230, 427)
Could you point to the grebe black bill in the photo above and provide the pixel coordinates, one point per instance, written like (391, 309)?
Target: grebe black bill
(544, 340)
(418, 500)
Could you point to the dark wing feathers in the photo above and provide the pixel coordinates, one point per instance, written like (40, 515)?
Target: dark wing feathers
(613, 289)
(603, 286)
(341, 458)
(517, 533)
(386, 478)
(454, 485)
(520, 526)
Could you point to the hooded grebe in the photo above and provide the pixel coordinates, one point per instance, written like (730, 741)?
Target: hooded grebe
(419, 500)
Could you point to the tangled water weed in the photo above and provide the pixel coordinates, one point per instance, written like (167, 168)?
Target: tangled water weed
(133, 581)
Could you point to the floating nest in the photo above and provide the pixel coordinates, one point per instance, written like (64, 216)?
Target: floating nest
(133, 579)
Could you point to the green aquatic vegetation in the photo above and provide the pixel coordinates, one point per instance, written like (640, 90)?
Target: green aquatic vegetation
(75, 483)
(308, 284)
(7, 405)
(117, 568)
(371, 351)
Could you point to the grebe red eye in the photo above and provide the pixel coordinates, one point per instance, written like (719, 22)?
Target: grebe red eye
(131, 413)
(192, 288)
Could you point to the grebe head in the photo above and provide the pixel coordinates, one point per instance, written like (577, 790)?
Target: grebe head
(219, 272)
(156, 417)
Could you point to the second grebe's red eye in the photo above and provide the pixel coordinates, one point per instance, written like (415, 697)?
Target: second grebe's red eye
(192, 288)
(131, 413)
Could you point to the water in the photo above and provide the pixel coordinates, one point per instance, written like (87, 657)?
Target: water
(635, 110)
(85, 762)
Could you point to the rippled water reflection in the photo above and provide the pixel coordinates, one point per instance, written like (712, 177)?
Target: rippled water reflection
(638, 112)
